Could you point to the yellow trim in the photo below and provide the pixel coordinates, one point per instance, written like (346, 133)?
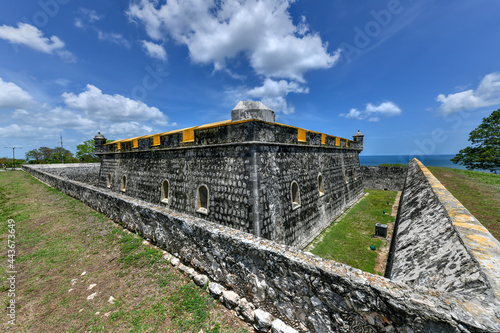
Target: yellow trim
(118, 145)
(301, 135)
(323, 139)
(217, 124)
(135, 143)
(156, 140)
(188, 135)
(337, 141)
(347, 143)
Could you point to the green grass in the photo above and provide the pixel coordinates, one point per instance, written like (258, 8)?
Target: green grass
(478, 191)
(58, 238)
(349, 240)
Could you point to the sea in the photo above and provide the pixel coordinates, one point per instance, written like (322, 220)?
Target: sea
(427, 160)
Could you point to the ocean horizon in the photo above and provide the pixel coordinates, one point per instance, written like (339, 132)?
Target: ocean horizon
(427, 160)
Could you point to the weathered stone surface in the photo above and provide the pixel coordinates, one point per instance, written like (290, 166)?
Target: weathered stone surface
(231, 299)
(245, 110)
(279, 326)
(383, 178)
(294, 279)
(246, 310)
(200, 279)
(215, 289)
(263, 320)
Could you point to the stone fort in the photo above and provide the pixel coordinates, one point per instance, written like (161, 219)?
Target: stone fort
(233, 203)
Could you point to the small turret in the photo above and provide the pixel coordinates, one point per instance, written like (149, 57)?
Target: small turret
(358, 138)
(245, 110)
(99, 141)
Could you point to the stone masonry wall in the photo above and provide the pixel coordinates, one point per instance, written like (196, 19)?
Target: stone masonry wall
(249, 184)
(430, 251)
(384, 178)
(303, 290)
(83, 172)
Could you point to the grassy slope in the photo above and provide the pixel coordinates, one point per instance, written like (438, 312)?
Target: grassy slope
(349, 240)
(479, 192)
(59, 238)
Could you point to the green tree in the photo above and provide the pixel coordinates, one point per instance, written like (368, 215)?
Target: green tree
(85, 152)
(484, 153)
(34, 156)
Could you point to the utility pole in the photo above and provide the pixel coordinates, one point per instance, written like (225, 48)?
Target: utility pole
(13, 154)
(62, 149)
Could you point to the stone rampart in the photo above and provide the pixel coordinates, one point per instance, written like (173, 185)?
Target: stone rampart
(384, 178)
(440, 245)
(82, 172)
(307, 292)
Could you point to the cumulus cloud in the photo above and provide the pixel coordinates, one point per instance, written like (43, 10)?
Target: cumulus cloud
(87, 20)
(112, 37)
(273, 94)
(374, 112)
(13, 97)
(215, 31)
(116, 107)
(486, 94)
(26, 34)
(154, 50)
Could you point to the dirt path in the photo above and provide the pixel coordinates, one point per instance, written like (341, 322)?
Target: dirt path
(383, 253)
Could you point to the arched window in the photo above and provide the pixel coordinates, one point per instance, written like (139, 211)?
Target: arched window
(295, 192)
(124, 183)
(165, 189)
(321, 188)
(202, 199)
(108, 181)
(346, 177)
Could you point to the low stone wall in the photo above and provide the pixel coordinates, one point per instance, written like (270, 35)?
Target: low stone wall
(440, 245)
(384, 178)
(87, 173)
(305, 291)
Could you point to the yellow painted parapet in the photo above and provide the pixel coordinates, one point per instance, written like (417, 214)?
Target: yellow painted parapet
(323, 139)
(118, 145)
(135, 143)
(337, 141)
(188, 135)
(301, 135)
(476, 238)
(156, 140)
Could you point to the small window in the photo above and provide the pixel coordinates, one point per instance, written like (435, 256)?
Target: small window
(202, 200)
(354, 173)
(124, 183)
(295, 192)
(109, 181)
(321, 188)
(165, 189)
(346, 177)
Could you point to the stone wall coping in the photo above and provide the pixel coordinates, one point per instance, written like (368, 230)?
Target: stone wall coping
(424, 303)
(478, 241)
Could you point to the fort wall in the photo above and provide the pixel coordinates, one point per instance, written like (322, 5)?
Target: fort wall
(303, 290)
(440, 245)
(384, 178)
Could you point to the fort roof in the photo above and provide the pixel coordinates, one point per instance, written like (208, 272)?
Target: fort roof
(250, 122)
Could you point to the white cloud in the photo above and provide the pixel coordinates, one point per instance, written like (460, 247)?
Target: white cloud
(97, 105)
(273, 94)
(113, 38)
(486, 94)
(154, 50)
(215, 31)
(22, 131)
(374, 112)
(30, 36)
(13, 97)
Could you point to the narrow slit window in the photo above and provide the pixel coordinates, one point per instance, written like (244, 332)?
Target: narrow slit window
(295, 192)
(321, 188)
(346, 176)
(124, 183)
(354, 173)
(202, 200)
(108, 183)
(165, 189)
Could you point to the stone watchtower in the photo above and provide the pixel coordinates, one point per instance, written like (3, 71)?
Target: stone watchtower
(358, 138)
(99, 141)
(246, 110)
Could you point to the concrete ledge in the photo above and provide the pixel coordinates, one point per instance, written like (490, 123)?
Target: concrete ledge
(303, 290)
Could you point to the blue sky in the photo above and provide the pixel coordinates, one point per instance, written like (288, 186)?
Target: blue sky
(415, 76)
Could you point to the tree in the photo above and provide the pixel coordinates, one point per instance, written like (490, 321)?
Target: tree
(484, 153)
(34, 156)
(85, 152)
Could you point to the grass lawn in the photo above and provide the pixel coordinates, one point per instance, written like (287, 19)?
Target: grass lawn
(349, 240)
(70, 260)
(478, 191)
